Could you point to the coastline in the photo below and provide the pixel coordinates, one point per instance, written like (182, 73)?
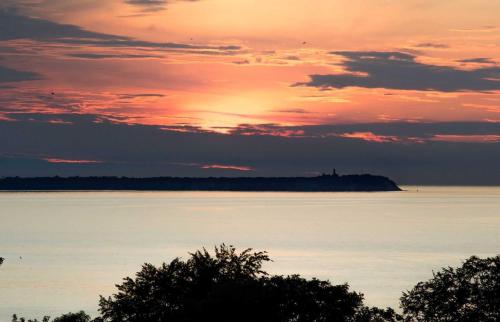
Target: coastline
(323, 183)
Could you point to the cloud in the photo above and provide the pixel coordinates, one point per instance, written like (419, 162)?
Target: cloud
(141, 150)
(146, 2)
(294, 111)
(241, 62)
(489, 138)
(184, 128)
(395, 132)
(72, 161)
(370, 137)
(480, 60)
(149, 6)
(140, 95)
(12, 75)
(226, 167)
(431, 45)
(112, 56)
(292, 57)
(397, 70)
(16, 26)
(477, 29)
(266, 130)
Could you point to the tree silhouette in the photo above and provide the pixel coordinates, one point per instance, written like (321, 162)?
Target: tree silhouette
(233, 287)
(228, 286)
(468, 293)
(375, 314)
(73, 317)
(69, 317)
(16, 319)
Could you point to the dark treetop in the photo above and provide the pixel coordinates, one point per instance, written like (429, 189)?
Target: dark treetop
(334, 182)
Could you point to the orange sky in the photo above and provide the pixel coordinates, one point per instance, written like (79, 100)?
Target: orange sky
(280, 44)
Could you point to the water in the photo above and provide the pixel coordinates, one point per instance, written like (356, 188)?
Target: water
(64, 249)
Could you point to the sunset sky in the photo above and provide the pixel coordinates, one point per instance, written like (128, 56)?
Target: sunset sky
(408, 89)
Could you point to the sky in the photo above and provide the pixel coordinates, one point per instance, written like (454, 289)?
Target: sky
(408, 89)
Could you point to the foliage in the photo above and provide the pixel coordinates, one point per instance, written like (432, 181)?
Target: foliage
(16, 319)
(467, 293)
(374, 314)
(69, 317)
(73, 317)
(233, 287)
(226, 287)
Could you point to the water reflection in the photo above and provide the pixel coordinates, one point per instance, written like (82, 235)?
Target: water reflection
(63, 249)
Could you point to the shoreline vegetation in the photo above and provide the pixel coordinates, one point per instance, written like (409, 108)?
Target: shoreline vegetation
(231, 286)
(323, 183)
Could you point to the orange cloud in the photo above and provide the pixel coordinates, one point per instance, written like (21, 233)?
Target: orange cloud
(185, 69)
(226, 167)
(370, 137)
(215, 166)
(57, 160)
(488, 138)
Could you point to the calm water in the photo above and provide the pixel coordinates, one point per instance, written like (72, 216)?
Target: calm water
(64, 249)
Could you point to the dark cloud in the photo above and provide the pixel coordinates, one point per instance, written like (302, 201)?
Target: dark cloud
(399, 129)
(11, 75)
(397, 70)
(140, 150)
(112, 56)
(186, 128)
(295, 58)
(153, 5)
(293, 110)
(131, 96)
(479, 60)
(431, 45)
(477, 29)
(241, 62)
(270, 129)
(146, 2)
(149, 6)
(7, 50)
(13, 26)
(220, 51)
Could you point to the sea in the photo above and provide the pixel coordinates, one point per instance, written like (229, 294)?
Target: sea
(64, 249)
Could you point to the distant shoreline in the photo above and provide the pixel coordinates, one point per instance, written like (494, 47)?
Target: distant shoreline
(323, 183)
